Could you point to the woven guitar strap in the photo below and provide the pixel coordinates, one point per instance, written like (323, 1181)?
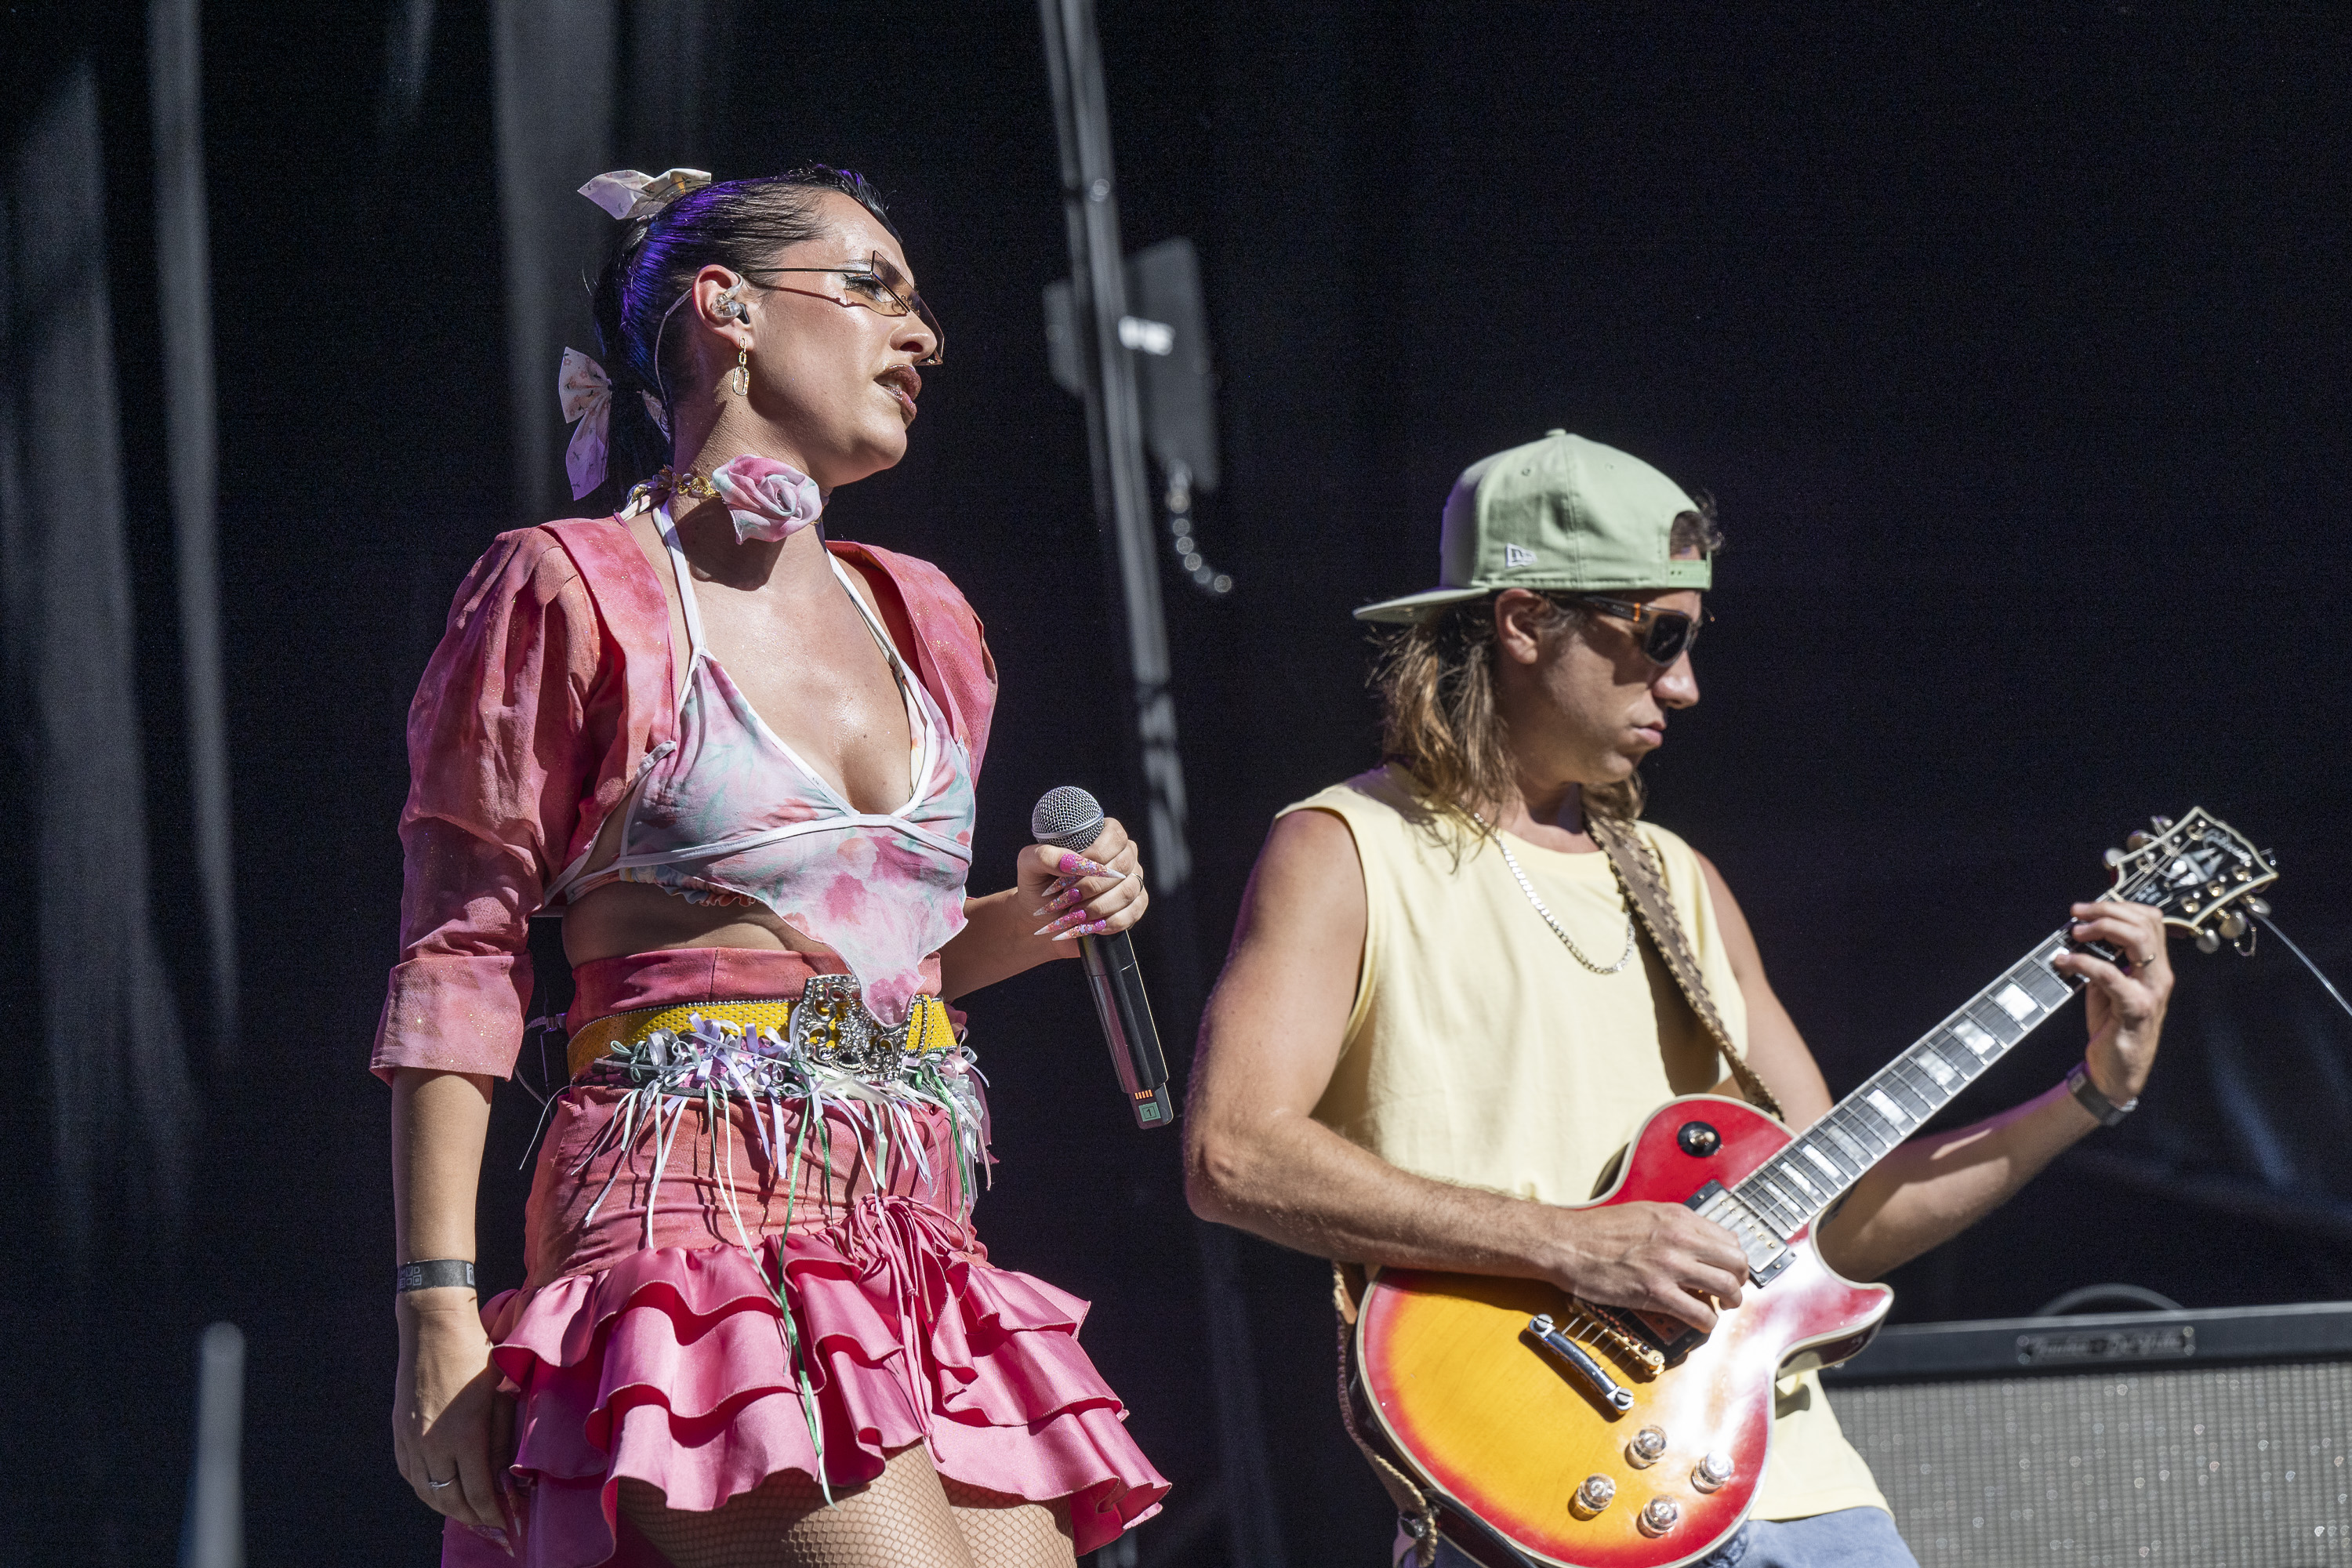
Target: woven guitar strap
(1414, 1511)
(1645, 889)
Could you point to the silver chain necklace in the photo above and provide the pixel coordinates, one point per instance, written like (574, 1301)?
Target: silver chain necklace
(1566, 941)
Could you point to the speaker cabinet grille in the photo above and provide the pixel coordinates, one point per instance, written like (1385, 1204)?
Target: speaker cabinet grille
(2116, 1470)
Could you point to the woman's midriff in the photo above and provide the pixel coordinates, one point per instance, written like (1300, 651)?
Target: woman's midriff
(620, 918)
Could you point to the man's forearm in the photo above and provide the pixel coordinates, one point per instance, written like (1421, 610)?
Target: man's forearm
(1296, 1183)
(1931, 1189)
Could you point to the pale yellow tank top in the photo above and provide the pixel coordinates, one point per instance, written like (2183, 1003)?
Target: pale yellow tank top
(1480, 1052)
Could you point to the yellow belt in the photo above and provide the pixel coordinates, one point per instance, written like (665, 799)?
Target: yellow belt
(928, 1029)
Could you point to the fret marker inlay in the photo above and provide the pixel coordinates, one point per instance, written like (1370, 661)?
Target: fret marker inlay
(1975, 1039)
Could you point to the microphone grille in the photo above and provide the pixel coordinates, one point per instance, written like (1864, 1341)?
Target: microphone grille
(1067, 818)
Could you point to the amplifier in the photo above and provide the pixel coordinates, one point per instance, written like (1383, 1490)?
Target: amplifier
(2113, 1440)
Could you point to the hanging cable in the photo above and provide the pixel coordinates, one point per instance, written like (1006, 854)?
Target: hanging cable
(2316, 973)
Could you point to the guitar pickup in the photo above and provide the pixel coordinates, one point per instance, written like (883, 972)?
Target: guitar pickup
(1605, 1388)
(1766, 1252)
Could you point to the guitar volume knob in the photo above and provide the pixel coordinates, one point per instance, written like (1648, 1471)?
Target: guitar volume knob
(1597, 1493)
(1658, 1517)
(1646, 1447)
(1711, 1472)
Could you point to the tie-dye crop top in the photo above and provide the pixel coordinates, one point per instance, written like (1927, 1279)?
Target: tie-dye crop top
(728, 811)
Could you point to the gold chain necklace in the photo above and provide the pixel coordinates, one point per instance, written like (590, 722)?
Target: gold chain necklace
(668, 482)
(1557, 929)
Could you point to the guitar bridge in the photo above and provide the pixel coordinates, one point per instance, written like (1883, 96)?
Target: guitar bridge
(1595, 1325)
(1590, 1373)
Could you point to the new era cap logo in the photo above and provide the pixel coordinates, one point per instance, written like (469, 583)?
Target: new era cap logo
(1517, 555)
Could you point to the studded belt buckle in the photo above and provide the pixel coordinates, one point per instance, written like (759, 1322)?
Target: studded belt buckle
(831, 1025)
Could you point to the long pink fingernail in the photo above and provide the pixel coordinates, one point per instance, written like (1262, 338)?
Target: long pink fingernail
(1069, 896)
(1076, 917)
(1076, 865)
(1099, 928)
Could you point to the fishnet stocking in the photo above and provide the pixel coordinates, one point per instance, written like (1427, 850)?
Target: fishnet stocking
(904, 1518)
(898, 1520)
(1010, 1531)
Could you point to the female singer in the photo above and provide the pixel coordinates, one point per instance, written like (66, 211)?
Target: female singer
(739, 757)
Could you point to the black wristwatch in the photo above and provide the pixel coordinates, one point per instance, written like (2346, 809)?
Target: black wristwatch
(2107, 1112)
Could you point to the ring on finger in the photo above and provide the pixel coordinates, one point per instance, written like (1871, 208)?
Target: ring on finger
(436, 1486)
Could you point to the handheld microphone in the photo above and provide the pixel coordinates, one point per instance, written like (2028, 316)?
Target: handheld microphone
(1070, 818)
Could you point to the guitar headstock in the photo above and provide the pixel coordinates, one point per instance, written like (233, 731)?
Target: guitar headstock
(2204, 875)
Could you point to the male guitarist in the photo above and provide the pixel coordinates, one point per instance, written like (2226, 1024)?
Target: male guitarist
(1437, 1024)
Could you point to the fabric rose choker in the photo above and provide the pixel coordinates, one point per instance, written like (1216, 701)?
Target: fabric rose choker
(764, 499)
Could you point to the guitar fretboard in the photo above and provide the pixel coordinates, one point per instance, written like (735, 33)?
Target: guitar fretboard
(1793, 1188)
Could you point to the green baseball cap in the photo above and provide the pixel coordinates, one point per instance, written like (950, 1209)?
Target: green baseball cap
(1561, 513)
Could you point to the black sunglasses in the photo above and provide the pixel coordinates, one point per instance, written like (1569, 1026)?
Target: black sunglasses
(1665, 634)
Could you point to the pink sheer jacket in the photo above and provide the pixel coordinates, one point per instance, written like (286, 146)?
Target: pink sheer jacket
(554, 681)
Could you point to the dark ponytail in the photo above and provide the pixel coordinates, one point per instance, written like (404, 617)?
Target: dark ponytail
(736, 224)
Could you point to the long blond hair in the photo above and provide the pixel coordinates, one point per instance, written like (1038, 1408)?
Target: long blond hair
(1439, 719)
(1441, 725)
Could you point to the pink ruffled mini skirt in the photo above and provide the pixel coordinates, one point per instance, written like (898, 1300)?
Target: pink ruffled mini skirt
(744, 1315)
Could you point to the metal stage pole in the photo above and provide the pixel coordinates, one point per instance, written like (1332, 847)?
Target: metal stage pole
(1123, 510)
(175, 77)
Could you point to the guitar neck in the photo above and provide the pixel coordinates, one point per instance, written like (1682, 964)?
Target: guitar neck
(1793, 1188)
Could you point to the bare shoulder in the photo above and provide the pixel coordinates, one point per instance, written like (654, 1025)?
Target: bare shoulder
(1309, 874)
(1308, 833)
(1278, 1017)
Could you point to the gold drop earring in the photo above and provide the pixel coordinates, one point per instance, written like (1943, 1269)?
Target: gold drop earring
(741, 375)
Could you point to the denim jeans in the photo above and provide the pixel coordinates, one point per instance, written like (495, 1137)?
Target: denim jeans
(1850, 1538)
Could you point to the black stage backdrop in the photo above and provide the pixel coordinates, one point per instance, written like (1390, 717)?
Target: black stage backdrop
(2011, 341)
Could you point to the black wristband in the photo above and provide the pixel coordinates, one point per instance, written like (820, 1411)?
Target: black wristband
(2106, 1111)
(432, 1274)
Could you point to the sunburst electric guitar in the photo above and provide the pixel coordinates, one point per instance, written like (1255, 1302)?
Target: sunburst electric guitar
(1548, 1430)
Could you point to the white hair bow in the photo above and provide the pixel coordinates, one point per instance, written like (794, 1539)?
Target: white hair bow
(586, 394)
(625, 194)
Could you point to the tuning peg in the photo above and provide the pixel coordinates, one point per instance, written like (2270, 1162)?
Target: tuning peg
(2258, 906)
(2207, 943)
(2113, 857)
(2138, 842)
(2162, 824)
(2233, 925)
